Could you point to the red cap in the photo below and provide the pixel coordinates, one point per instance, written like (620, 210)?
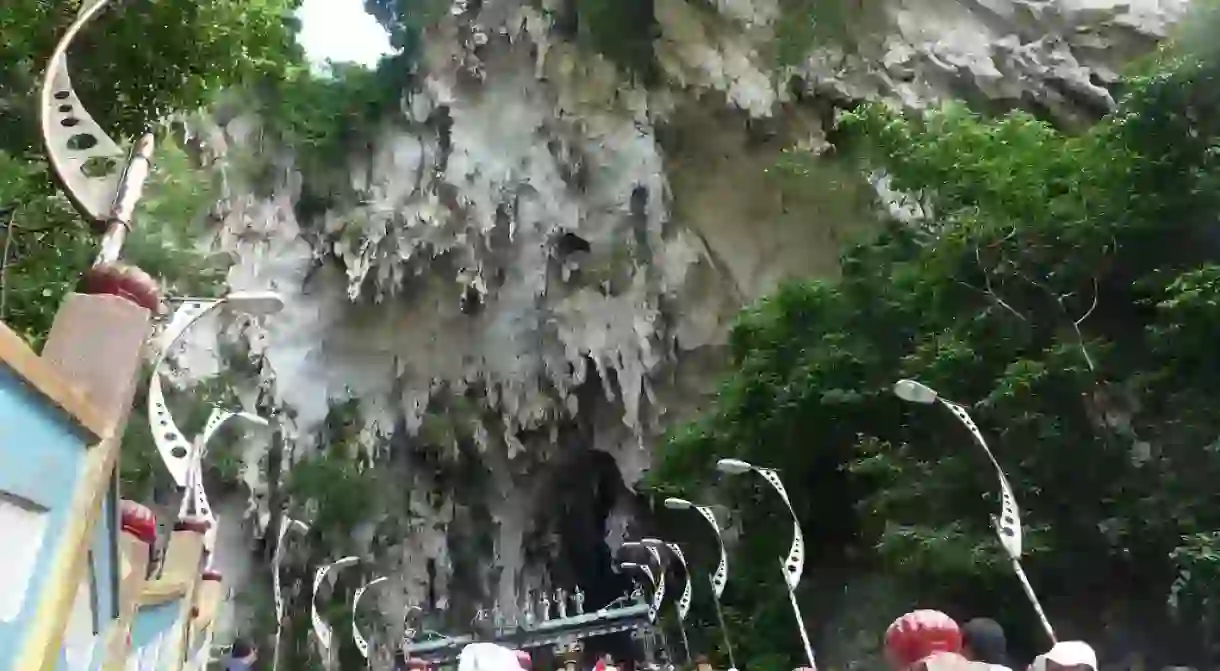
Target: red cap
(919, 634)
(213, 576)
(197, 524)
(417, 664)
(125, 281)
(524, 659)
(138, 520)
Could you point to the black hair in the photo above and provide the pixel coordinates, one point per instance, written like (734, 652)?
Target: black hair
(986, 641)
(241, 648)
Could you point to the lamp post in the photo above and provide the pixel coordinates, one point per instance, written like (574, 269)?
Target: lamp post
(196, 496)
(320, 629)
(720, 577)
(658, 593)
(658, 580)
(683, 604)
(174, 449)
(277, 558)
(794, 564)
(361, 643)
(1008, 525)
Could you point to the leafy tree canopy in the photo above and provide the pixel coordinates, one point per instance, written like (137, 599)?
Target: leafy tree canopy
(1065, 289)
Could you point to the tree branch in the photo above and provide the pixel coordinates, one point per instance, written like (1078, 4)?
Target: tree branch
(8, 243)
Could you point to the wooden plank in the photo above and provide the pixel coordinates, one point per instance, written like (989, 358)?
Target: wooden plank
(45, 379)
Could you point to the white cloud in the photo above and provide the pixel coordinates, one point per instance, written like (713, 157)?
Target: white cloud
(340, 30)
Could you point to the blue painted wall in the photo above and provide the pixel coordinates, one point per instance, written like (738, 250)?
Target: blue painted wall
(150, 624)
(104, 552)
(41, 452)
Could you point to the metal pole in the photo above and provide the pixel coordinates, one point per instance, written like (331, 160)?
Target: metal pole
(800, 620)
(1033, 598)
(724, 630)
(669, 658)
(685, 642)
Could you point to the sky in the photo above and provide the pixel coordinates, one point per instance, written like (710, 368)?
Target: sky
(340, 30)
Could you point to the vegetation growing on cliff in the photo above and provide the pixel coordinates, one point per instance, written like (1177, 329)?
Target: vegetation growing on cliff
(1064, 288)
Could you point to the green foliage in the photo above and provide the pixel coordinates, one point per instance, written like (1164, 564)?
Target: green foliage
(806, 24)
(142, 60)
(132, 67)
(46, 246)
(1062, 287)
(325, 117)
(623, 31)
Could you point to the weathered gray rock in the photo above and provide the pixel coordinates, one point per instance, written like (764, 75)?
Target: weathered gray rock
(545, 238)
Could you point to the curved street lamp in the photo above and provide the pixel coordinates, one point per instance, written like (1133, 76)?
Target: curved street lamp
(720, 577)
(683, 604)
(320, 628)
(362, 644)
(277, 558)
(658, 579)
(74, 143)
(196, 496)
(658, 593)
(1008, 525)
(174, 449)
(652, 584)
(794, 564)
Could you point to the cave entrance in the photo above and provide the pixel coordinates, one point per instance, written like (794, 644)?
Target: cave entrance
(588, 487)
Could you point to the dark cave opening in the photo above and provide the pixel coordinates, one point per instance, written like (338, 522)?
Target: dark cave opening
(590, 488)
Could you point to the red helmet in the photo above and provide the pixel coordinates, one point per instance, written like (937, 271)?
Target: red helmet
(919, 634)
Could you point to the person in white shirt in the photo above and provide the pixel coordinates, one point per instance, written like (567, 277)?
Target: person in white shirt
(488, 657)
(1067, 656)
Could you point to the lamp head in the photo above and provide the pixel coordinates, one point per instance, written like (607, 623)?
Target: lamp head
(344, 562)
(630, 545)
(253, 418)
(674, 503)
(915, 392)
(630, 566)
(733, 466)
(652, 542)
(255, 302)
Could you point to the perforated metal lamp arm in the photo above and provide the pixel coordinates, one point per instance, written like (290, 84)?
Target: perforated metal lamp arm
(658, 586)
(320, 629)
(794, 564)
(175, 450)
(1007, 524)
(720, 577)
(362, 644)
(196, 496)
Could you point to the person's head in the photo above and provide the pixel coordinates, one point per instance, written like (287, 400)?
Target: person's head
(919, 634)
(1067, 656)
(243, 651)
(482, 628)
(983, 641)
(702, 663)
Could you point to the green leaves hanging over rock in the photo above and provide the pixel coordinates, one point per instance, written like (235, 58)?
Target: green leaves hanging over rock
(1060, 285)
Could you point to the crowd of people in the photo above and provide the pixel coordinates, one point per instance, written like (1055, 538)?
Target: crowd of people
(922, 640)
(929, 640)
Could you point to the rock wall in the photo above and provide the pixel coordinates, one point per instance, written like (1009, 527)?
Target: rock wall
(545, 255)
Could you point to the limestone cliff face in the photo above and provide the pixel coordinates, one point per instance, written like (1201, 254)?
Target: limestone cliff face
(545, 254)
